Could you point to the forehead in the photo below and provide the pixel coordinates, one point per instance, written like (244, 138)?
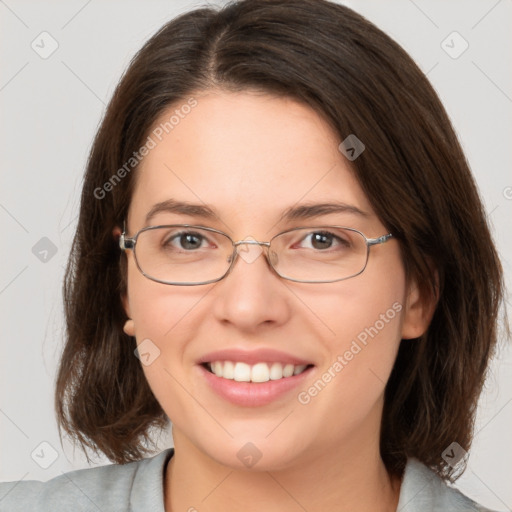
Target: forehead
(241, 152)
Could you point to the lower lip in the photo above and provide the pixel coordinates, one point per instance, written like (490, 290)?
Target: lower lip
(252, 394)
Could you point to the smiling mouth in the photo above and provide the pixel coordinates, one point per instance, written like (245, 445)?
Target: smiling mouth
(257, 373)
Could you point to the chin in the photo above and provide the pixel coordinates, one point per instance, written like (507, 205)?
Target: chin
(254, 452)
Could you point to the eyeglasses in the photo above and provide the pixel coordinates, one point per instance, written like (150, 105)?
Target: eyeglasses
(186, 255)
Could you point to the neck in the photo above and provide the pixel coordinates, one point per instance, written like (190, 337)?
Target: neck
(352, 479)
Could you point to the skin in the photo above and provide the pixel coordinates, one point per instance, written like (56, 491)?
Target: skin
(250, 156)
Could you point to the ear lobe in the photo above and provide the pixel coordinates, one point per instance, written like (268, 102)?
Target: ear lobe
(419, 310)
(129, 327)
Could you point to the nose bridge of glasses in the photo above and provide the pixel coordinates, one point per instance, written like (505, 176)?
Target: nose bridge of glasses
(250, 241)
(250, 249)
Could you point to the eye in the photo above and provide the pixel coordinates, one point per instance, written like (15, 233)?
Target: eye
(187, 240)
(321, 240)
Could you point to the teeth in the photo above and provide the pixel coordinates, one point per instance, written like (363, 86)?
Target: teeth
(227, 371)
(299, 369)
(259, 372)
(217, 368)
(242, 372)
(276, 371)
(288, 370)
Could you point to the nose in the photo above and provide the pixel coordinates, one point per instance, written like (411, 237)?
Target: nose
(252, 294)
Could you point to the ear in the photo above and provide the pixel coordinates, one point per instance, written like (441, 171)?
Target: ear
(129, 326)
(126, 305)
(419, 310)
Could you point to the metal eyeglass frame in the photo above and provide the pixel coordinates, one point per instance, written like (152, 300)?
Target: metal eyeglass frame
(128, 243)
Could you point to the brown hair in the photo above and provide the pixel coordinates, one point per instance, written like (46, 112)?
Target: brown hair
(413, 171)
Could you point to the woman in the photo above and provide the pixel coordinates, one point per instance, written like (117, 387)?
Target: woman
(279, 250)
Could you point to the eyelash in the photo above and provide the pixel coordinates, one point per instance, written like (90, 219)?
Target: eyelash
(334, 237)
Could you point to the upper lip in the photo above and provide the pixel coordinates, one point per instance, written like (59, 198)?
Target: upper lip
(261, 355)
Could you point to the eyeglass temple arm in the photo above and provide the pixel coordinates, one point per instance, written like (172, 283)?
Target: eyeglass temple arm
(380, 240)
(124, 241)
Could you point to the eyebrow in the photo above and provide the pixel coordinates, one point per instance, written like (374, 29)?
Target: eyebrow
(302, 212)
(173, 206)
(308, 211)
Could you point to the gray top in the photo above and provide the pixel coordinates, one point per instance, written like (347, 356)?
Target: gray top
(138, 487)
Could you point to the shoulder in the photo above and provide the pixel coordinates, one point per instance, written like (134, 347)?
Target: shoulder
(423, 490)
(134, 486)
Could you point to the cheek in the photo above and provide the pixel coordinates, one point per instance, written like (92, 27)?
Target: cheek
(365, 308)
(367, 348)
(360, 340)
(369, 325)
(164, 329)
(160, 311)
(160, 315)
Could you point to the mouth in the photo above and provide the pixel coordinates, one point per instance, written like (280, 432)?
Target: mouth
(260, 372)
(253, 379)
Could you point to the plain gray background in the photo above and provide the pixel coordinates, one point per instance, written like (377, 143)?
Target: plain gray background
(50, 110)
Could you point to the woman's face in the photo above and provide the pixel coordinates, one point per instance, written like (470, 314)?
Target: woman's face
(250, 157)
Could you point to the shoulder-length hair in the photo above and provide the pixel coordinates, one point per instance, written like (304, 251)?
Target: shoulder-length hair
(413, 171)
